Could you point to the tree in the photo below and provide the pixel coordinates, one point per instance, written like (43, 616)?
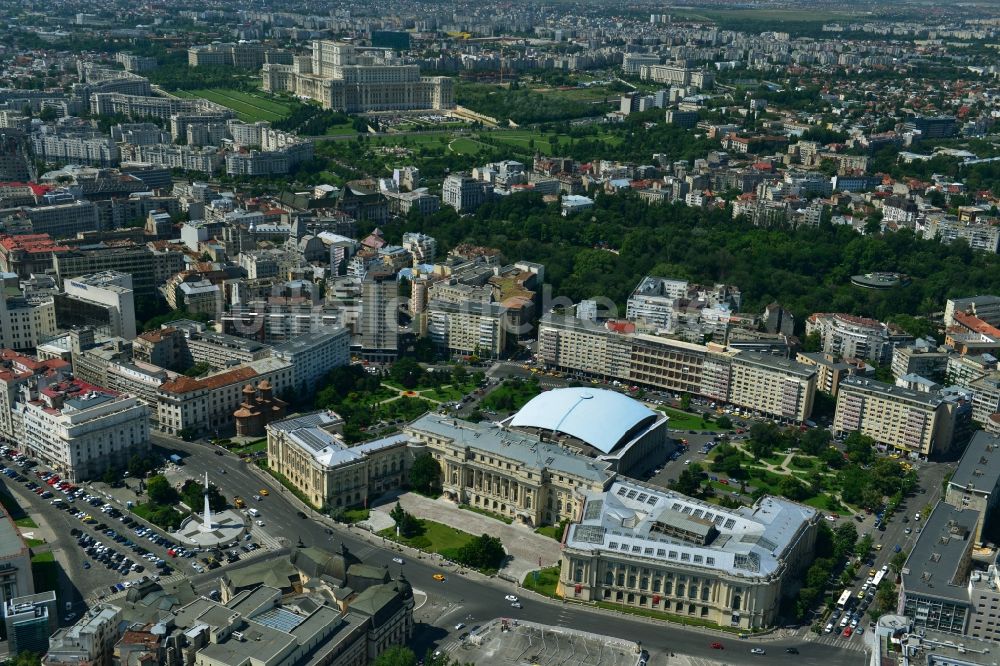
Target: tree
(396, 656)
(898, 560)
(397, 513)
(138, 466)
(864, 546)
(814, 440)
(687, 483)
(724, 422)
(25, 659)
(483, 552)
(686, 402)
(845, 537)
(407, 372)
(813, 342)
(425, 475)
(459, 375)
(160, 491)
(193, 495)
(860, 448)
(791, 488)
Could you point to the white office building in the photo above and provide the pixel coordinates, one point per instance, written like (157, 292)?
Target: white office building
(81, 431)
(109, 295)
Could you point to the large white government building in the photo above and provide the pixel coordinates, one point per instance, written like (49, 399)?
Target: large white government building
(645, 547)
(340, 78)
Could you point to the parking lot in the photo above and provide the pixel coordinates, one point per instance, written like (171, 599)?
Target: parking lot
(105, 548)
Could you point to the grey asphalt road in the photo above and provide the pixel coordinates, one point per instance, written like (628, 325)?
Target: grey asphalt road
(472, 601)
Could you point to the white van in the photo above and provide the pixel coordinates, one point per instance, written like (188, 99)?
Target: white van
(253, 512)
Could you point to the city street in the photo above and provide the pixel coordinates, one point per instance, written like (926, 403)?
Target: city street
(473, 599)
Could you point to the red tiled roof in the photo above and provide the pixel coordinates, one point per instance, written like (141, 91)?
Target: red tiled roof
(188, 384)
(620, 326)
(977, 325)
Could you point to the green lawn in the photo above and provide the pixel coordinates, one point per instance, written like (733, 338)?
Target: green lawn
(443, 394)
(488, 514)
(340, 130)
(356, 515)
(249, 107)
(34, 543)
(434, 537)
(466, 146)
(552, 531)
(686, 421)
(25, 522)
(252, 447)
(543, 581)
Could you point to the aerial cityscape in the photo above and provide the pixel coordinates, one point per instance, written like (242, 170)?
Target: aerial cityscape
(531, 334)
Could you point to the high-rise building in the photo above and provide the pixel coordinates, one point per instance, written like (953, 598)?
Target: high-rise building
(30, 620)
(379, 316)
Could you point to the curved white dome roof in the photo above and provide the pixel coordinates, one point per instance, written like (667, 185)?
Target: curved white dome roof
(598, 417)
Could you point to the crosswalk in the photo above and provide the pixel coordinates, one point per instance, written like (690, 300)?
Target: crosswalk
(836, 639)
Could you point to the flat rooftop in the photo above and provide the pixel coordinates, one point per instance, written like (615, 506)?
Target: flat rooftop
(542, 645)
(979, 468)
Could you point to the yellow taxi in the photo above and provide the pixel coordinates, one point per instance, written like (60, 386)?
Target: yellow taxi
(263, 491)
(438, 577)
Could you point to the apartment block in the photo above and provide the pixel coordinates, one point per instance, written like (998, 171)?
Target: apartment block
(985, 397)
(141, 106)
(899, 418)
(205, 159)
(313, 355)
(773, 386)
(770, 385)
(918, 360)
(148, 267)
(857, 337)
(26, 322)
(980, 235)
(986, 308)
(64, 220)
(468, 328)
(464, 193)
(81, 431)
(830, 371)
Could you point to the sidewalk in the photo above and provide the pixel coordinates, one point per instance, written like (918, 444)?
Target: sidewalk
(524, 546)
